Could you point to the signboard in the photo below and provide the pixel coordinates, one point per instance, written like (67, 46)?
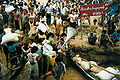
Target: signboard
(92, 10)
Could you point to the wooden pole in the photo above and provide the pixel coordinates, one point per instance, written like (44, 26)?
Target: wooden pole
(81, 27)
(103, 21)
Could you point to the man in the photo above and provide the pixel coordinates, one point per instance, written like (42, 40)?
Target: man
(40, 58)
(92, 37)
(73, 19)
(111, 13)
(94, 27)
(16, 19)
(115, 37)
(65, 22)
(57, 69)
(5, 18)
(47, 49)
(32, 61)
(62, 49)
(48, 11)
(114, 21)
(104, 39)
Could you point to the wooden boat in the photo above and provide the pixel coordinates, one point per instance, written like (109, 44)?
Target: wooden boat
(82, 71)
(87, 75)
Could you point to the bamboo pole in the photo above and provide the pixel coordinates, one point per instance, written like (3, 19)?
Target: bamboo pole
(81, 27)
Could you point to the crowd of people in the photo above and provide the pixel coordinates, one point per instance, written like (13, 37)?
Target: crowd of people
(45, 54)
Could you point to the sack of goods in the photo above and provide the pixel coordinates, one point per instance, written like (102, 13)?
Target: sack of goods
(85, 65)
(9, 37)
(77, 59)
(104, 75)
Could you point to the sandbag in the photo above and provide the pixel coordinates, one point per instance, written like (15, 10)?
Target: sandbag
(112, 70)
(42, 27)
(85, 65)
(9, 37)
(96, 69)
(93, 63)
(103, 75)
(77, 59)
(70, 33)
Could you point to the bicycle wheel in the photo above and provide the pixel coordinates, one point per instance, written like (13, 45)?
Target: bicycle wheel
(12, 64)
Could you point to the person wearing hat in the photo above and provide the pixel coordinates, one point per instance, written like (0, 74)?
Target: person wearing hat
(104, 39)
(115, 37)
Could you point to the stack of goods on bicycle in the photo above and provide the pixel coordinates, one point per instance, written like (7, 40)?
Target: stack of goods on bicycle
(92, 69)
(9, 37)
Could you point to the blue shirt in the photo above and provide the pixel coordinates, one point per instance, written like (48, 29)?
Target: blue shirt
(39, 52)
(12, 48)
(112, 12)
(48, 10)
(114, 7)
(114, 35)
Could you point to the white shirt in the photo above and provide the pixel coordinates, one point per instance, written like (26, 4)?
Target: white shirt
(58, 21)
(48, 10)
(73, 18)
(32, 56)
(47, 49)
(64, 10)
(33, 44)
(52, 19)
(8, 30)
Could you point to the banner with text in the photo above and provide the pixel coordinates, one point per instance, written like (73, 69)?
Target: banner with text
(92, 10)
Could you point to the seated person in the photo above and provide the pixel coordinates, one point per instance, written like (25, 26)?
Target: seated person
(104, 39)
(92, 37)
(115, 37)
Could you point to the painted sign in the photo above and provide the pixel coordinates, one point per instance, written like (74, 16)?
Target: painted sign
(92, 10)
